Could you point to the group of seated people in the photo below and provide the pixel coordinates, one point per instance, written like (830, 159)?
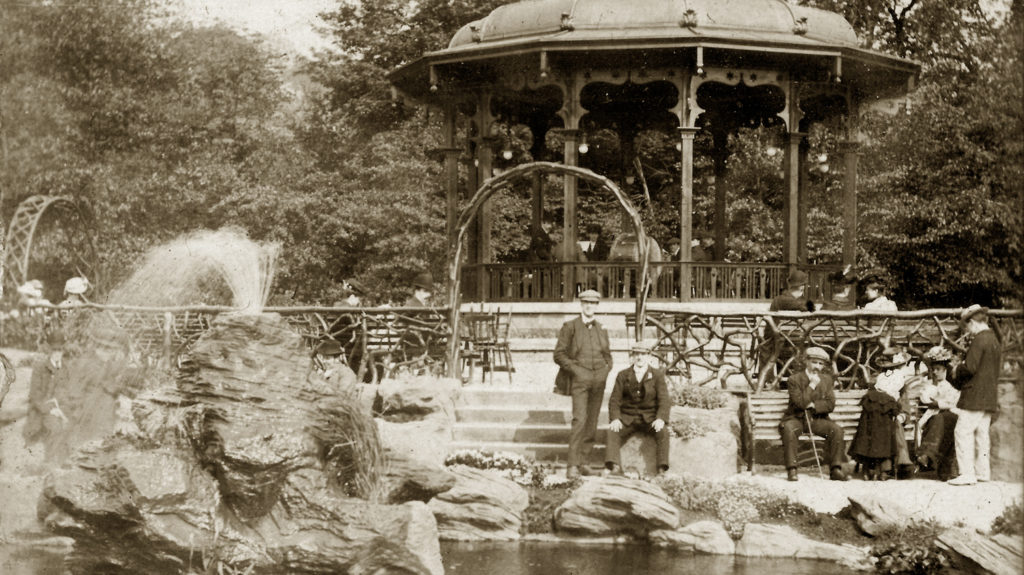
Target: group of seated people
(879, 445)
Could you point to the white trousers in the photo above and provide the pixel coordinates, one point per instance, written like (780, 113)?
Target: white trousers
(972, 444)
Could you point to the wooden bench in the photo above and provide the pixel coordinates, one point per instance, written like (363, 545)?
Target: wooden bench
(767, 408)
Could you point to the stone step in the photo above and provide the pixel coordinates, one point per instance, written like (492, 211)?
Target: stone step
(517, 398)
(546, 452)
(519, 415)
(528, 433)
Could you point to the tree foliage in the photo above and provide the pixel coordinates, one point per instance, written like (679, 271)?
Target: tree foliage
(164, 127)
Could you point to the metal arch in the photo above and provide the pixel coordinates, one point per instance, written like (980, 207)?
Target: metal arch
(497, 183)
(22, 231)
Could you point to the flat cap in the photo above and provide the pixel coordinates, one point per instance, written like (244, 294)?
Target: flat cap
(590, 296)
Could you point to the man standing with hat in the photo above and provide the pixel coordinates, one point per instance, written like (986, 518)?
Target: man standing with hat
(977, 378)
(639, 403)
(585, 360)
(812, 397)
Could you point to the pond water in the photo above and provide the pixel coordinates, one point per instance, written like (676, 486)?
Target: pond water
(531, 558)
(535, 558)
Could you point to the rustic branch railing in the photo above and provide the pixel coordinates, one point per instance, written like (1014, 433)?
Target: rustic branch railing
(376, 342)
(764, 349)
(543, 281)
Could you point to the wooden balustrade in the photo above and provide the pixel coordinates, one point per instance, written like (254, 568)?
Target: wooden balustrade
(546, 281)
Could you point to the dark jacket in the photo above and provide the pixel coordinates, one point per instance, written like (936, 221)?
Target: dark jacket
(570, 353)
(786, 302)
(800, 394)
(977, 377)
(876, 426)
(628, 406)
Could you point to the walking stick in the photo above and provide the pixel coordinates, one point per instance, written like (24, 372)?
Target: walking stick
(814, 447)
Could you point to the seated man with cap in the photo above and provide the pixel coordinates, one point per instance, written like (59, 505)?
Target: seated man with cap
(812, 397)
(584, 358)
(355, 292)
(639, 403)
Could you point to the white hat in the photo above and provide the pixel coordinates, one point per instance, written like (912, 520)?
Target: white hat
(76, 286)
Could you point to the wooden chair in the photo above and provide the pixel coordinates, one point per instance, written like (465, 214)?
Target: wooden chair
(500, 349)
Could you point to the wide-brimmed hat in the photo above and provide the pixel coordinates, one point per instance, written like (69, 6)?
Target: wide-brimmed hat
(845, 276)
(938, 354)
(76, 286)
(590, 296)
(892, 358)
(641, 347)
(796, 278)
(424, 281)
(817, 353)
(971, 311)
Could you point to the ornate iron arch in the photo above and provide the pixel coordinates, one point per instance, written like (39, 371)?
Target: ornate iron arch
(498, 183)
(21, 233)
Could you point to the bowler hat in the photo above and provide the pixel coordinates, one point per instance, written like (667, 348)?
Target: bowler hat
(816, 353)
(971, 311)
(356, 287)
(590, 296)
(424, 281)
(329, 347)
(796, 278)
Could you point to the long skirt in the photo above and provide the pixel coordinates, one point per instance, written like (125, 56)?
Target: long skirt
(937, 442)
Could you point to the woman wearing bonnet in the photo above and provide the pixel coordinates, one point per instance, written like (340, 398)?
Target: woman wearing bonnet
(939, 421)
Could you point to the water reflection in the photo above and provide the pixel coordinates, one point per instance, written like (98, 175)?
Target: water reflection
(543, 558)
(17, 560)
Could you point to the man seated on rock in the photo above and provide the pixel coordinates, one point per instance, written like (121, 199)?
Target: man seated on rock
(812, 397)
(639, 403)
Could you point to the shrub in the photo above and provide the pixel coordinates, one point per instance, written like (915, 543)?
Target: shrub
(700, 397)
(909, 550)
(511, 465)
(732, 502)
(1010, 521)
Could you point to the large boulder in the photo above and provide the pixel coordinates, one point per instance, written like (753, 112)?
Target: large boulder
(416, 397)
(614, 505)
(973, 552)
(700, 537)
(481, 506)
(1007, 434)
(763, 540)
(875, 514)
(703, 442)
(411, 479)
(249, 462)
(428, 441)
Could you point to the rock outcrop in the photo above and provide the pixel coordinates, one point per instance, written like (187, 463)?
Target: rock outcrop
(762, 540)
(481, 506)
(251, 462)
(700, 537)
(1007, 439)
(704, 442)
(973, 552)
(616, 505)
(875, 514)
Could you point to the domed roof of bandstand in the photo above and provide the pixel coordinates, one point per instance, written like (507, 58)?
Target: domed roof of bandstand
(766, 32)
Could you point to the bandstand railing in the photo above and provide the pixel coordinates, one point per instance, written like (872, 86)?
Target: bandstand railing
(553, 281)
(763, 349)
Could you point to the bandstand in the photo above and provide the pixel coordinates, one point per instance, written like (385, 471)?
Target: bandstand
(564, 69)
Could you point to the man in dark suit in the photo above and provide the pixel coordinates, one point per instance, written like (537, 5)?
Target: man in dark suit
(812, 393)
(977, 378)
(639, 403)
(585, 359)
